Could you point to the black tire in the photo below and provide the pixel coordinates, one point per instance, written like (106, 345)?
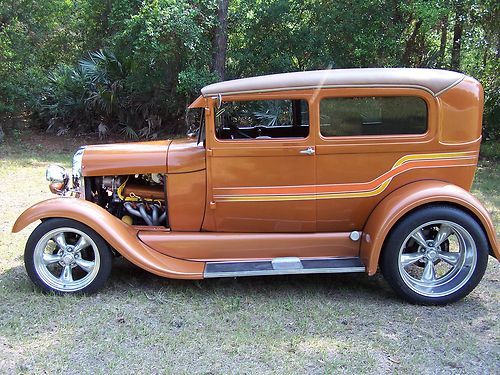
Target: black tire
(98, 253)
(398, 262)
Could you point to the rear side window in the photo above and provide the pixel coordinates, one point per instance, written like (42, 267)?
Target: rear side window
(384, 115)
(262, 119)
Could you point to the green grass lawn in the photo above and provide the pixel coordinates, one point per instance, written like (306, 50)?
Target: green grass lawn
(140, 323)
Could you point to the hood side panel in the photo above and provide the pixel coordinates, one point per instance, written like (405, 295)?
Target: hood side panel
(125, 158)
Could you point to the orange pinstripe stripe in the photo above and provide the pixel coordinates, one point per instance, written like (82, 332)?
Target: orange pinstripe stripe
(330, 191)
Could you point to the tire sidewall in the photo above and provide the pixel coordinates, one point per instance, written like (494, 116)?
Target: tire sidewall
(390, 255)
(47, 225)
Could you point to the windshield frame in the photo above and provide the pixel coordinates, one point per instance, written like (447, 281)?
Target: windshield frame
(201, 129)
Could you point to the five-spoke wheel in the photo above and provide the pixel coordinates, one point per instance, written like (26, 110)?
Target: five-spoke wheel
(65, 256)
(435, 255)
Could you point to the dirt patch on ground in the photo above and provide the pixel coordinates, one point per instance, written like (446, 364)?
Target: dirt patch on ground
(23, 135)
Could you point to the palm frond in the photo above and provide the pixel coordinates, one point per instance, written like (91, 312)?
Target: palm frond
(129, 132)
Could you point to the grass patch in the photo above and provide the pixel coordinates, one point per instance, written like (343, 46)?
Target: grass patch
(141, 323)
(490, 150)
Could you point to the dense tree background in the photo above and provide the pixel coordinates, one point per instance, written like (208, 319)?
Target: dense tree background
(131, 66)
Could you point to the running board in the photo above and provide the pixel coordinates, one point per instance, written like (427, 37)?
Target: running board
(283, 266)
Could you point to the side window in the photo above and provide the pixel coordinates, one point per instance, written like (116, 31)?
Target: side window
(262, 119)
(384, 115)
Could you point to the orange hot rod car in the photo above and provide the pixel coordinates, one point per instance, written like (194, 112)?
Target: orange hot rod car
(311, 172)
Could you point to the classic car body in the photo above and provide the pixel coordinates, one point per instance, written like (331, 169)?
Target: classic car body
(257, 199)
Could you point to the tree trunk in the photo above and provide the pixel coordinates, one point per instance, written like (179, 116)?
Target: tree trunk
(444, 37)
(104, 24)
(105, 18)
(498, 49)
(457, 36)
(410, 44)
(221, 40)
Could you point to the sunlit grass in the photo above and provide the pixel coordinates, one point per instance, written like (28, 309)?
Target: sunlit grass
(486, 188)
(315, 324)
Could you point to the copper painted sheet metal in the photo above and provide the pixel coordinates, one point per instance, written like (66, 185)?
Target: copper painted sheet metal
(347, 190)
(125, 158)
(354, 212)
(186, 194)
(462, 112)
(119, 235)
(185, 155)
(259, 169)
(411, 196)
(205, 246)
(199, 102)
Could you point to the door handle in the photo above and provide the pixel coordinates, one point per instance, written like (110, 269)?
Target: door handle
(308, 151)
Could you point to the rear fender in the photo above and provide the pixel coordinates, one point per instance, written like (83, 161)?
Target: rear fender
(409, 197)
(122, 237)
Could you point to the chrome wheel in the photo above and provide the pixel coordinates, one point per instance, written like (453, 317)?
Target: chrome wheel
(66, 259)
(437, 258)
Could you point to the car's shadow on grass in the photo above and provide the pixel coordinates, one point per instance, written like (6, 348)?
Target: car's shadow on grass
(126, 275)
(348, 288)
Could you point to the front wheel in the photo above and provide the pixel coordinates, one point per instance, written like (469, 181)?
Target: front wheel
(65, 256)
(435, 255)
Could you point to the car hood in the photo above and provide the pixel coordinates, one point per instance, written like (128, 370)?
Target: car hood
(185, 155)
(125, 158)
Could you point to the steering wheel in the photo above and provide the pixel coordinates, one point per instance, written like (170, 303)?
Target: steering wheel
(235, 129)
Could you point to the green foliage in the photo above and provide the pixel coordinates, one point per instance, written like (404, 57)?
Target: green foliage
(192, 80)
(131, 66)
(31, 35)
(90, 94)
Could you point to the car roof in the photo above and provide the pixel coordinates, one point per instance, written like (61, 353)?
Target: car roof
(434, 81)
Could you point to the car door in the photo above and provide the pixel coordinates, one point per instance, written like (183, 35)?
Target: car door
(261, 165)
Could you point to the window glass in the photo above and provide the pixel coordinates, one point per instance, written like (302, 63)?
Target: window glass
(384, 115)
(262, 119)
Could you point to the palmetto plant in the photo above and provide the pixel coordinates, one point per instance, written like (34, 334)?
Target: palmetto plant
(63, 100)
(104, 75)
(273, 112)
(86, 96)
(93, 97)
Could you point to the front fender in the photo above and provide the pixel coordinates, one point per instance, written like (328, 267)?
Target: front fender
(409, 197)
(122, 237)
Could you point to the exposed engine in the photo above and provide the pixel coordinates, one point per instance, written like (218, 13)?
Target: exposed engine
(135, 199)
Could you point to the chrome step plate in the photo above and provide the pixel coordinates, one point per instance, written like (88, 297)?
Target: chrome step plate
(283, 266)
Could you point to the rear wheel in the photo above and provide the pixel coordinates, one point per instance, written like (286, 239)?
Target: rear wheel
(435, 255)
(65, 256)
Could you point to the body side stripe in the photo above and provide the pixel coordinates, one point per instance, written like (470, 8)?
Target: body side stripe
(374, 187)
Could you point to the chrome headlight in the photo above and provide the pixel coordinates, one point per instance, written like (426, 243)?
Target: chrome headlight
(56, 173)
(58, 178)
